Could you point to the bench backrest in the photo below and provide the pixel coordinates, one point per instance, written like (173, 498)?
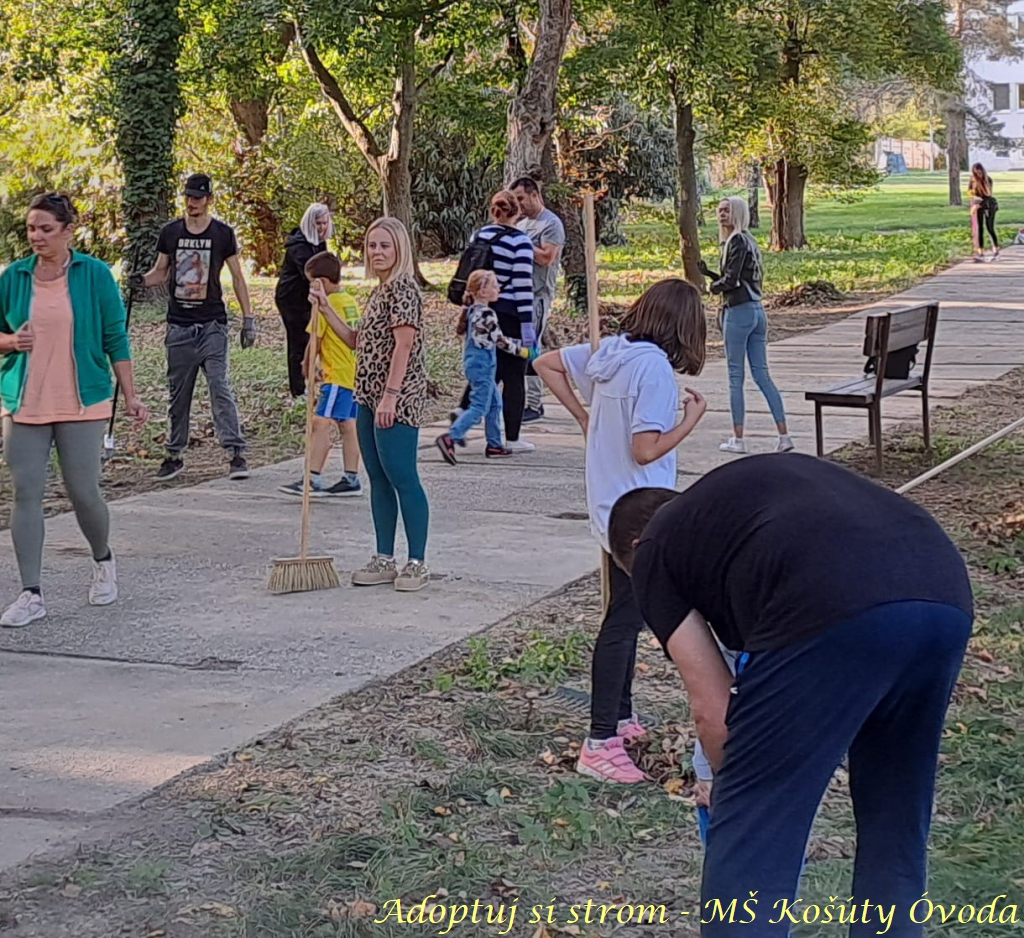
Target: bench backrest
(900, 329)
(906, 327)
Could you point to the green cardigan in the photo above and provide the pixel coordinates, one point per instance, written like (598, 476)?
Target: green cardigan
(100, 336)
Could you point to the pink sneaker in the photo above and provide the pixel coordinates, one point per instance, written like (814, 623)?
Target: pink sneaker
(607, 761)
(631, 730)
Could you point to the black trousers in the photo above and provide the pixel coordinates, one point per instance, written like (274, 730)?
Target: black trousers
(611, 680)
(295, 323)
(987, 221)
(511, 376)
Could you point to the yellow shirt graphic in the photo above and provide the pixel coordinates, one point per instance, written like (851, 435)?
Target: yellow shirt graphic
(339, 361)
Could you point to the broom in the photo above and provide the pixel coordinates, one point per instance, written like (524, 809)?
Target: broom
(594, 319)
(304, 573)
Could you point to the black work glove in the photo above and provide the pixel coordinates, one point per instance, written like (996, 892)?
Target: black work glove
(137, 282)
(703, 268)
(248, 337)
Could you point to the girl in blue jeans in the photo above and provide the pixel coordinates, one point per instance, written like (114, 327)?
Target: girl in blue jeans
(479, 324)
(744, 326)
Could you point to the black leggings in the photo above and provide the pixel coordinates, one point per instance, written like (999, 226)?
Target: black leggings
(295, 323)
(511, 375)
(987, 220)
(615, 658)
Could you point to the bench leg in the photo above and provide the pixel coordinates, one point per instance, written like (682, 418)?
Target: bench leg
(819, 434)
(926, 420)
(876, 424)
(871, 426)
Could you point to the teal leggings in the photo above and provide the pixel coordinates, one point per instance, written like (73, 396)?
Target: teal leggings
(390, 460)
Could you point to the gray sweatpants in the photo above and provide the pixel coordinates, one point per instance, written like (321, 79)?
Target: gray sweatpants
(534, 385)
(27, 452)
(189, 349)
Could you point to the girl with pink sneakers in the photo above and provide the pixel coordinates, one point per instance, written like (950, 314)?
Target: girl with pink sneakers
(629, 384)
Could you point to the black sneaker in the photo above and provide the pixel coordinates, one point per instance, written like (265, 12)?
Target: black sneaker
(497, 452)
(239, 468)
(343, 489)
(169, 469)
(447, 447)
(532, 416)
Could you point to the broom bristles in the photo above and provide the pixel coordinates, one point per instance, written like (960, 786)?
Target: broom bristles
(295, 575)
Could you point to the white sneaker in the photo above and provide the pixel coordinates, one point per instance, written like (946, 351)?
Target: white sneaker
(28, 607)
(103, 591)
(732, 445)
(785, 445)
(520, 446)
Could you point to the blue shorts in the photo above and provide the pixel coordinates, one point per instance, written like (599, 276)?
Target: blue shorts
(337, 403)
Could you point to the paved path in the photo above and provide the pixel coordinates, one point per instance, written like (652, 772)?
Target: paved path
(102, 705)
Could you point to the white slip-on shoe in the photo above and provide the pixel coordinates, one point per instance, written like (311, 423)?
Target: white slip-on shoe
(520, 446)
(26, 609)
(785, 445)
(103, 591)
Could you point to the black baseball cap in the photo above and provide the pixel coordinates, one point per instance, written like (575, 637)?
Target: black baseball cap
(198, 186)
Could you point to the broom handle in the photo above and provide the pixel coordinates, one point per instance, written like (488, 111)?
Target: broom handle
(314, 339)
(590, 241)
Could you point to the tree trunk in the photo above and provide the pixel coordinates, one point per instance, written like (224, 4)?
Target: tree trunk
(147, 107)
(689, 196)
(956, 149)
(252, 118)
(754, 194)
(787, 183)
(532, 114)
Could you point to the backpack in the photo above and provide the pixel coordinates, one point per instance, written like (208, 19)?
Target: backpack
(478, 255)
(897, 365)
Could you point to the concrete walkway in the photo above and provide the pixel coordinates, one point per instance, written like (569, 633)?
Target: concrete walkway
(103, 705)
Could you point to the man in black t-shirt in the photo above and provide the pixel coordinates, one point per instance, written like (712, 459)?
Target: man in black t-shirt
(854, 610)
(191, 252)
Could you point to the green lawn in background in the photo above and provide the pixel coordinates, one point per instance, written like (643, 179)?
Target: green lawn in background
(886, 241)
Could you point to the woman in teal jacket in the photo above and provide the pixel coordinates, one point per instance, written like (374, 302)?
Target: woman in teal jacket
(62, 327)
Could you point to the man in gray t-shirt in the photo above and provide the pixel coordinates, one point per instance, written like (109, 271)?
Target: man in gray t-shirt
(548, 235)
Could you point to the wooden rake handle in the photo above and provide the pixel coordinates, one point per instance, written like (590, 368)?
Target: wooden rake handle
(314, 348)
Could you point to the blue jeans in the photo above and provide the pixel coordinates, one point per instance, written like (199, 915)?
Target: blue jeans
(875, 687)
(746, 337)
(484, 397)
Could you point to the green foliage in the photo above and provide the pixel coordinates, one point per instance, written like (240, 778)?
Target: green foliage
(542, 661)
(148, 104)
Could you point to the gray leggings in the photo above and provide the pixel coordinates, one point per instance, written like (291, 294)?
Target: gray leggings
(27, 452)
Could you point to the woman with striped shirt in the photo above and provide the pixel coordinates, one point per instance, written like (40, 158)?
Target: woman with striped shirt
(512, 251)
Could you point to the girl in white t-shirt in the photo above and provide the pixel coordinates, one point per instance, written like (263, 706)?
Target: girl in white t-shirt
(629, 384)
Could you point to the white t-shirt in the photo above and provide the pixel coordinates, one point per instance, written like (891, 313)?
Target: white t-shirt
(630, 388)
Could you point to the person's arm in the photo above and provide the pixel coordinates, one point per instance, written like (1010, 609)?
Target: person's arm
(707, 680)
(650, 445)
(133, 405)
(160, 271)
(732, 267)
(545, 255)
(406, 321)
(339, 327)
(240, 285)
(489, 332)
(552, 371)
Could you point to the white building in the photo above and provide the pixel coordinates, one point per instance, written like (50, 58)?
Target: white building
(997, 88)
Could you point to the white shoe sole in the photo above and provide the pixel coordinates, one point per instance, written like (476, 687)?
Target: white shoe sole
(239, 475)
(598, 777)
(372, 580)
(356, 494)
(35, 617)
(103, 600)
(173, 475)
(407, 586)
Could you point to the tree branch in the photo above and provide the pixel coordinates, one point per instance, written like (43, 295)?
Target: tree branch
(435, 71)
(358, 130)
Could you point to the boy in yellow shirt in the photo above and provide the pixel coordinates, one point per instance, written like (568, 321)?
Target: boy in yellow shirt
(337, 394)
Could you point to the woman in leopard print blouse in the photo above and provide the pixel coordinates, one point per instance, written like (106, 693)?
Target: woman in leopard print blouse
(391, 389)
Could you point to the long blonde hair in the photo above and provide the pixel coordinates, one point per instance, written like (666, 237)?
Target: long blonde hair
(739, 215)
(403, 248)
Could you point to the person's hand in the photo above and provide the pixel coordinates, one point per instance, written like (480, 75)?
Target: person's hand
(386, 411)
(248, 336)
(136, 410)
(24, 339)
(704, 269)
(696, 405)
(702, 793)
(137, 282)
(317, 293)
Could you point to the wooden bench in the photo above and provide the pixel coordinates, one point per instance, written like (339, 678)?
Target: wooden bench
(884, 334)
